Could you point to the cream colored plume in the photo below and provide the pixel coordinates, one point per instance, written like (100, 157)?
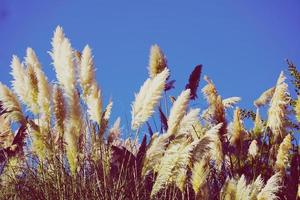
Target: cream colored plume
(59, 108)
(230, 102)
(71, 138)
(277, 111)
(209, 91)
(6, 135)
(253, 149)
(242, 189)
(19, 75)
(25, 84)
(237, 131)
(74, 126)
(256, 187)
(173, 166)
(39, 140)
(265, 97)
(179, 174)
(199, 174)
(108, 110)
(115, 131)
(297, 108)
(63, 61)
(228, 191)
(86, 70)
(154, 153)
(43, 88)
(216, 151)
(11, 105)
(166, 167)
(271, 188)
(157, 61)
(147, 98)
(282, 159)
(94, 104)
(215, 113)
(188, 122)
(258, 124)
(31, 59)
(178, 111)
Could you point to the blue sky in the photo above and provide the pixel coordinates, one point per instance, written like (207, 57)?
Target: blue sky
(241, 44)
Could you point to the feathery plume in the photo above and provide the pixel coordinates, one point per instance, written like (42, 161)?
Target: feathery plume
(186, 126)
(12, 107)
(154, 153)
(108, 110)
(258, 124)
(63, 61)
(265, 97)
(6, 135)
(32, 83)
(271, 188)
(253, 149)
(173, 166)
(194, 81)
(278, 108)
(216, 151)
(256, 187)
(237, 129)
(242, 190)
(209, 91)
(39, 140)
(147, 98)
(228, 191)
(94, 104)
(44, 99)
(72, 150)
(115, 131)
(198, 130)
(282, 159)
(297, 108)
(25, 84)
(230, 102)
(178, 111)
(157, 61)
(215, 113)
(43, 90)
(86, 70)
(72, 132)
(59, 108)
(166, 167)
(199, 173)
(179, 174)
(31, 59)
(19, 74)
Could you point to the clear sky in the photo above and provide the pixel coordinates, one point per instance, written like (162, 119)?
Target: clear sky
(241, 44)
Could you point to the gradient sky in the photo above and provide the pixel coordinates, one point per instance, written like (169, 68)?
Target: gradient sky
(241, 44)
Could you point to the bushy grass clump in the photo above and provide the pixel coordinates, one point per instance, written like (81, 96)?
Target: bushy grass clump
(65, 148)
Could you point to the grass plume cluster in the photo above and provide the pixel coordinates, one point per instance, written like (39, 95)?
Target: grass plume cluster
(57, 140)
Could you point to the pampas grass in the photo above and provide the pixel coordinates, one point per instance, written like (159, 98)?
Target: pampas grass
(277, 111)
(11, 105)
(147, 98)
(253, 149)
(63, 146)
(157, 61)
(271, 188)
(178, 111)
(282, 158)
